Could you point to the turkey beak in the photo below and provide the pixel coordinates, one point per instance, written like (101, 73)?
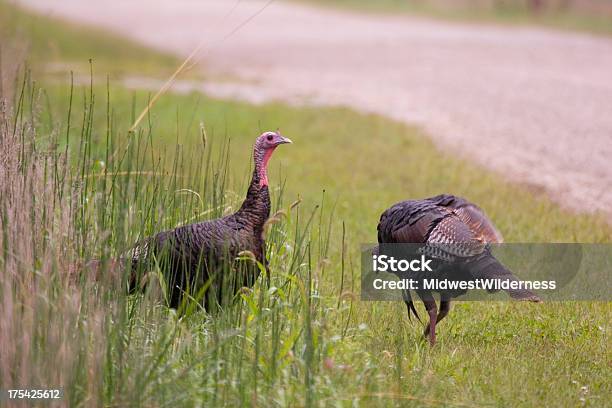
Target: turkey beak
(284, 140)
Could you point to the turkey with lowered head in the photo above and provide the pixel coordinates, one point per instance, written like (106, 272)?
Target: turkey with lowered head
(459, 232)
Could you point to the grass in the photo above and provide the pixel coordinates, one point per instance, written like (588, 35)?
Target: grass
(364, 162)
(51, 45)
(77, 185)
(555, 14)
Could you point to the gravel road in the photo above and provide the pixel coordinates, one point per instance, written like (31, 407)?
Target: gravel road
(534, 105)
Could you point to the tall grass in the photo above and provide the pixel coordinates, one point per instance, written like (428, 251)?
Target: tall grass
(63, 202)
(76, 186)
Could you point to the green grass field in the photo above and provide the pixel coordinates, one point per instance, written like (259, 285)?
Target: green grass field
(81, 186)
(51, 47)
(555, 14)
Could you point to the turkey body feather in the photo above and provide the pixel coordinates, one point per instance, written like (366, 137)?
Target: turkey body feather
(196, 255)
(456, 234)
(201, 260)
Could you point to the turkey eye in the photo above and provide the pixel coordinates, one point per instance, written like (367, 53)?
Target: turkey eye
(270, 137)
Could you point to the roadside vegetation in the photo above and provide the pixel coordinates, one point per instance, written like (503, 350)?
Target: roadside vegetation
(592, 16)
(76, 185)
(48, 46)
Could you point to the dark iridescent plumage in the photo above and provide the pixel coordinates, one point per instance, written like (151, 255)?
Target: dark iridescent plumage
(200, 259)
(459, 232)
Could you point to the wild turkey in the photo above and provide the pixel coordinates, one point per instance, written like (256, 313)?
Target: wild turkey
(200, 259)
(460, 232)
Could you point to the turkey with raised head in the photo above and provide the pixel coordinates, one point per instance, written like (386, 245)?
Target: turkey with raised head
(457, 233)
(199, 260)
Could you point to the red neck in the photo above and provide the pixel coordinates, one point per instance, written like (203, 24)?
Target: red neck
(263, 170)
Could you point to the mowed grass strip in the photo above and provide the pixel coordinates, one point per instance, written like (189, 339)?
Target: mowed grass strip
(51, 45)
(364, 162)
